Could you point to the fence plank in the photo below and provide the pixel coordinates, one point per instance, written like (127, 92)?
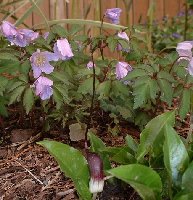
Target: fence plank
(171, 8)
(159, 10)
(140, 8)
(58, 9)
(45, 8)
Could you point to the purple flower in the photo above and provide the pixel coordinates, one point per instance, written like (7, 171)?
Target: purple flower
(9, 31)
(40, 62)
(45, 35)
(122, 69)
(113, 15)
(90, 65)
(43, 87)
(124, 36)
(176, 35)
(190, 67)
(184, 50)
(28, 35)
(95, 164)
(19, 37)
(181, 14)
(63, 50)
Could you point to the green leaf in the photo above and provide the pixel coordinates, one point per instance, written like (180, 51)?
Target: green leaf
(143, 179)
(16, 94)
(112, 43)
(176, 158)
(123, 156)
(103, 89)
(187, 196)
(118, 88)
(13, 85)
(8, 56)
(166, 91)
(60, 76)
(124, 44)
(28, 99)
(97, 146)
(144, 89)
(187, 179)
(165, 75)
(58, 98)
(59, 30)
(184, 103)
(25, 67)
(152, 136)
(86, 87)
(63, 90)
(75, 29)
(135, 73)
(3, 84)
(9, 66)
(72, 163)
(124, 112)
(131, 143)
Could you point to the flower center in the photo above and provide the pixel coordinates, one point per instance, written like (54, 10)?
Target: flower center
(40, 60)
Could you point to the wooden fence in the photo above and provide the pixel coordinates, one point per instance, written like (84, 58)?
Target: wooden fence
(133, 13)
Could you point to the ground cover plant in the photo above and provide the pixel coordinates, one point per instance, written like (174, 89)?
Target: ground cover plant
(69, 78)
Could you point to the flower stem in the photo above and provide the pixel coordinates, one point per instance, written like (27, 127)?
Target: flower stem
(92, 103)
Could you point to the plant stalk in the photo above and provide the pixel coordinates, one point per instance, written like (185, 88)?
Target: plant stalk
(92, 103)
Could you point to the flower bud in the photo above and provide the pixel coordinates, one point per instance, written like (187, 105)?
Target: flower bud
(95, 163)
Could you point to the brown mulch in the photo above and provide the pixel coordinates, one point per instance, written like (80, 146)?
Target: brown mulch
(31, 173)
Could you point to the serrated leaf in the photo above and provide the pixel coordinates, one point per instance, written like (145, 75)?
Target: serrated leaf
(103, 89)
(86, 87)
(118, 88)
(72, 163)
(124, 44)
(58, 98)
(185, 103)
(60, 76)
(75, 29)
(165, 75)
(166, 91)
(16, 94)
(152, 137)
(144, 89)
(8, 56)
(13, 85)
(28, 100)
(176, 158)
(148, 68)
(143, 179)
(63, 90)
(3, 84)
(59, 30)
(9, 66)
(124, 112)
(25, 67)
(112, 43)
(136, 72)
